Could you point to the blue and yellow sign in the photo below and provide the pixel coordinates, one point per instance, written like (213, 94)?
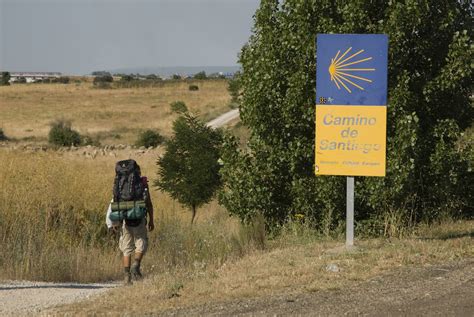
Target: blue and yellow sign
(351, 69)
(351, 112)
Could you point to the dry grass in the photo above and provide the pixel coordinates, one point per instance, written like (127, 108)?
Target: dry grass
(52, 221)
(290, 269)
(27, 110)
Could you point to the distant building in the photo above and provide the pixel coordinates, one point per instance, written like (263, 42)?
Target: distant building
(31, 77)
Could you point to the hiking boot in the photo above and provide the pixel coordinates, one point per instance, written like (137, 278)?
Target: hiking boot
(128, 279)
(135, 270)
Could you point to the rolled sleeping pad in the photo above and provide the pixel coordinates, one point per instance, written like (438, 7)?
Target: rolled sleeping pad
(134, 213)
(126, 205)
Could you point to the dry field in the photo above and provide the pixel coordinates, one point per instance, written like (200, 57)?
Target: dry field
(52, 210)
(113, 115)
(289, 268)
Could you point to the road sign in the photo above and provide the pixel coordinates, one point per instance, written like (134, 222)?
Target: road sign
(351, 113)
(351, 69)
(351, 92)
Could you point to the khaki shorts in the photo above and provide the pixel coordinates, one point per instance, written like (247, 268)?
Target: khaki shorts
(134, 239)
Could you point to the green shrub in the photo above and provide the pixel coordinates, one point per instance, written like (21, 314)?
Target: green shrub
(193, 87)
(3, 137)
(103, 78)
(5, 78)
(62, 134)
(149, 138)
(178, 106)
(200, 75)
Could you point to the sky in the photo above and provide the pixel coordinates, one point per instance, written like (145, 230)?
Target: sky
(81, 36)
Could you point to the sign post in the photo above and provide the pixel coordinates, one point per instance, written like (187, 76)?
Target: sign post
(351, 112)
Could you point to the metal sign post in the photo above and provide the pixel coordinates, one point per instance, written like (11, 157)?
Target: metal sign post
(351, 110)
(350, 212)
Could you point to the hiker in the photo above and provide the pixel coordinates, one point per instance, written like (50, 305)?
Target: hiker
(134, 238)
(129, 210)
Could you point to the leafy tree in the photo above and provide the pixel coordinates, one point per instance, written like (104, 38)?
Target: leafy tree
(430, 82)
(200, 75)
(176, 77)
(189, 170)
(5, 79)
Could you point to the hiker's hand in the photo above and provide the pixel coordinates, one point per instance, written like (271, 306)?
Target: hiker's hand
(151, 226)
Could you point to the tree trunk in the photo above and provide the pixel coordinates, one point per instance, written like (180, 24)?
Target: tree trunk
(194, 213)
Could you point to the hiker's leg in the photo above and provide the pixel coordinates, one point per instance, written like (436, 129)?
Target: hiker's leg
(126, 246)
(141, 245)
(127, 260)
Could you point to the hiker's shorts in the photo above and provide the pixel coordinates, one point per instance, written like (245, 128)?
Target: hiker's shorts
(134, 239)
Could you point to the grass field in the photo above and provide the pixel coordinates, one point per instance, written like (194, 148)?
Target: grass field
(52, 213)
(113, 115)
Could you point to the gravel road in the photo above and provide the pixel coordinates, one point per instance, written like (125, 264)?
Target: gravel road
(223, 119)
(23, 298)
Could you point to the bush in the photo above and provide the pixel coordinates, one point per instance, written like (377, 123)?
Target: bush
(62, 134)
(103, 78)
(63, 80)
(193, 87)
(178, 106)
(21, 80)
(149, 138)
(4, 78)
(176, 77)
(200, 75)
(3, 137)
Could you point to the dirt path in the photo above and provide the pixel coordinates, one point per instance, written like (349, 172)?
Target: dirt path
(445, 290)
(223, 119)
(21, 298)
(442, 290)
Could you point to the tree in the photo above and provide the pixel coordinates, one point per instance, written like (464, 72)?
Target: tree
(189, 170)
(234, 88)
(200, 75)
(430, 82)
(5, 79)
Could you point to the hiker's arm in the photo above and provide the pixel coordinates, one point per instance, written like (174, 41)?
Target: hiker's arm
(149, 207)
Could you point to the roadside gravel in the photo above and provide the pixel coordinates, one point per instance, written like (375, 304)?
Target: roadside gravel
(24, 298)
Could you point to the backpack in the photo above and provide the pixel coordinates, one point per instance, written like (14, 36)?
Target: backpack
(128, 185)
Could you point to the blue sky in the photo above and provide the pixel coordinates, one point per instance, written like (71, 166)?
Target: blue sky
(80, 36)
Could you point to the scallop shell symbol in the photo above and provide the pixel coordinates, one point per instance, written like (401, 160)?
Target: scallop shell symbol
(345, 76)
